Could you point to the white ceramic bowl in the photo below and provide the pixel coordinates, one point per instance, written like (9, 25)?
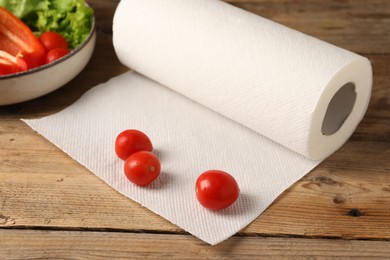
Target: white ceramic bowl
(27, 85)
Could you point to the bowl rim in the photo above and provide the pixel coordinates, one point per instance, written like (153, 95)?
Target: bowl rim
(51, 64)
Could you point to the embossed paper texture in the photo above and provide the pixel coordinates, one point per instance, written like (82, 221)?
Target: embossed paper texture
(188, 138)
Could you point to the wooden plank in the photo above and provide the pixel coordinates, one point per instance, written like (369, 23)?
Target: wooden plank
(347, 196)
(341, 198)
(23, 244)
(379, 106)
(42, 187)
(358, 25)
(36, 175)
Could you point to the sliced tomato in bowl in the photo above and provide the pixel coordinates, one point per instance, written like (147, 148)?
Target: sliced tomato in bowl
(17, 39)
(10, 64)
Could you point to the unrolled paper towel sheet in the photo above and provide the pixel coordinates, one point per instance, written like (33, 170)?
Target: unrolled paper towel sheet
(222, 89)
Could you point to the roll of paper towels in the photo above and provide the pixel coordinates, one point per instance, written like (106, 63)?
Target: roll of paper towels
(231, 91)
(296, 90)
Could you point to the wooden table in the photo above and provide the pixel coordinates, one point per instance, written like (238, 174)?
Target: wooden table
(52, 207)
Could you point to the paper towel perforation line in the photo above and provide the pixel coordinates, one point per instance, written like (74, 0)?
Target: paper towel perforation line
(339, 108)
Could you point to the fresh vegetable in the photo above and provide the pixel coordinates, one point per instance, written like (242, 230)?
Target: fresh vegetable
(17, 39)
(53, 40)
(21, 8)
(216, 189)
(71, 18)
(131, 141)
(10, 64)
(59, 23)
(55, 45)
(55, 54)
(142, 168)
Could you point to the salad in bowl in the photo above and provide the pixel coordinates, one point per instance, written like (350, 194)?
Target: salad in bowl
(39, 38)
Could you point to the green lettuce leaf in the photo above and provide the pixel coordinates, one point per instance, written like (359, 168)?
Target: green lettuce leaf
(22, 8)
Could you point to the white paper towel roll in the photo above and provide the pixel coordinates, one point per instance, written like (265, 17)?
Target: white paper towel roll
(287, 86)
(301, 92)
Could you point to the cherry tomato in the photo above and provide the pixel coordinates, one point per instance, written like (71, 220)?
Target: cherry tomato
(216, 189)
(55, 54)
(142, 168)
(131, 141)
(53, 40)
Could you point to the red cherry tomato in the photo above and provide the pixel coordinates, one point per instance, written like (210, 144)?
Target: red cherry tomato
(55, 54)
(53, 40)
(142, 168)
(216, 189)
(131, 141)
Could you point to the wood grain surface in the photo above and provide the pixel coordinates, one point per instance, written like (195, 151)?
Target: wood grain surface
(52, 207)
(104, 245)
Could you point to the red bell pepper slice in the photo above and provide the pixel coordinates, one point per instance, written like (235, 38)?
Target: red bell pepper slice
(10, 64)
(17, 39)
